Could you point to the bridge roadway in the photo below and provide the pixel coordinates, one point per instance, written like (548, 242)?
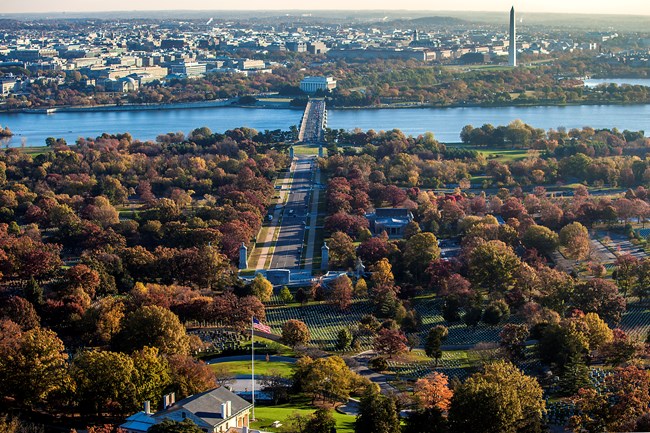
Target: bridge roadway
(288, 247)
(314, 121)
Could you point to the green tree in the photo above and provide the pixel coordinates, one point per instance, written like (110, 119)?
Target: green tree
(377, 413)
(295, 332)
(153, 326)
(285, 295)
(262, 288)
(501, 399)
(433, 344)
(574, 376)
(496, 311)
(33, 292)
(344, 339)
(321, 421)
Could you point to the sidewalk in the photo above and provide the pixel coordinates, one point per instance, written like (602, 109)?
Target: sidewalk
(313, 219)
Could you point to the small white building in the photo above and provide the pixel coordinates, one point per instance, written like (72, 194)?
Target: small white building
(314, 84)
(216, 411)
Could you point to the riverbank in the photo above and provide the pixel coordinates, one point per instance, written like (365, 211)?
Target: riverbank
(266, 104)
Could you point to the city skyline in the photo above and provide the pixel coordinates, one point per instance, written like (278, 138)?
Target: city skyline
(629, 7)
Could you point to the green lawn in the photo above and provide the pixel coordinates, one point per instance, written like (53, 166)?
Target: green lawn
(262, 368)
(265, 415)
(305, 149)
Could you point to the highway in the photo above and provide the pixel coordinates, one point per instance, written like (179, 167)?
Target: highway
(288, 248)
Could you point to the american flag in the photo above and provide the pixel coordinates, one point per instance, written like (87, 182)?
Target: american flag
(260, 326)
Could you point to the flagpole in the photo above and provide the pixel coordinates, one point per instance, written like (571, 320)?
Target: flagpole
(253, 363)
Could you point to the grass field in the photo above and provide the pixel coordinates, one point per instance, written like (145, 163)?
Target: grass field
(266, 415)
(262, 368)
(305, 149)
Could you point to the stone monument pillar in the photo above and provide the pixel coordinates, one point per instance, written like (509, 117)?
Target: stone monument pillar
(243, 257)
(291, 152)
(325, 257)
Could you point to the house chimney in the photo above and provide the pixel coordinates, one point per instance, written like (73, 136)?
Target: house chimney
(229, 407)
(172, 398)
(147, 407)
(224, 408)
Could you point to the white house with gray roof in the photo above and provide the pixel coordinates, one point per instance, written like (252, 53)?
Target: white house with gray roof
(216, 411)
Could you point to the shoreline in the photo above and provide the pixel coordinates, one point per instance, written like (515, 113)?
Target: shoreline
(227, 103)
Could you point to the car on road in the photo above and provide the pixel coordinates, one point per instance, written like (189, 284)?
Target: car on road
(269, 217)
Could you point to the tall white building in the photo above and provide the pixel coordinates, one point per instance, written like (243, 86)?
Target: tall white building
(313, 84)
(512, 47)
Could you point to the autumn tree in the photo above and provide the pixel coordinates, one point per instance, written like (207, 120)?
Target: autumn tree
(20, 311)
(295, 332)
(104, 382)
(619, 407)
(342, 250)
(513, 340)
(390, 342)
(326, 378)
(599, 296)
(420, 250)
(433, 391)
(341, 296)
(541, 238)
(189, 376)
(626, 273)
(152, 374)
(574, 238)
(153, 326)
(262, 288)
(499, 399)
(33, 365)
(492, 265)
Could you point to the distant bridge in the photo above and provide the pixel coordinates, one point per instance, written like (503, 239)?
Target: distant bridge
(313, 123)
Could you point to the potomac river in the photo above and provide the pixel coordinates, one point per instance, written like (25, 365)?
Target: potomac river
(32, 129)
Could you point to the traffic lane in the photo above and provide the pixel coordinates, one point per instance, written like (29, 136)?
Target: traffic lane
(288, 247)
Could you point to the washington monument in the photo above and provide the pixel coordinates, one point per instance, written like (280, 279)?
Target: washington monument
(512, 47)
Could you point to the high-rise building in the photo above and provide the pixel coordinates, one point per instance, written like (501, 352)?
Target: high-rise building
(512, 47)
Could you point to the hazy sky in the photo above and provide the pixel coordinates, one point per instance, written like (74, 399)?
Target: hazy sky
(633, 7)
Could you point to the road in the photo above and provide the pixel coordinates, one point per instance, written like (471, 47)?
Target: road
(288, 247)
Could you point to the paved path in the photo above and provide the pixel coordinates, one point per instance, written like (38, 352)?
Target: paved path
(378, 378)
(265, 244)
(288, 246)
(272, 358)
(313, 218)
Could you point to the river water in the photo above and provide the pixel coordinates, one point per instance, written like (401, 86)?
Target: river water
(445, 123)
